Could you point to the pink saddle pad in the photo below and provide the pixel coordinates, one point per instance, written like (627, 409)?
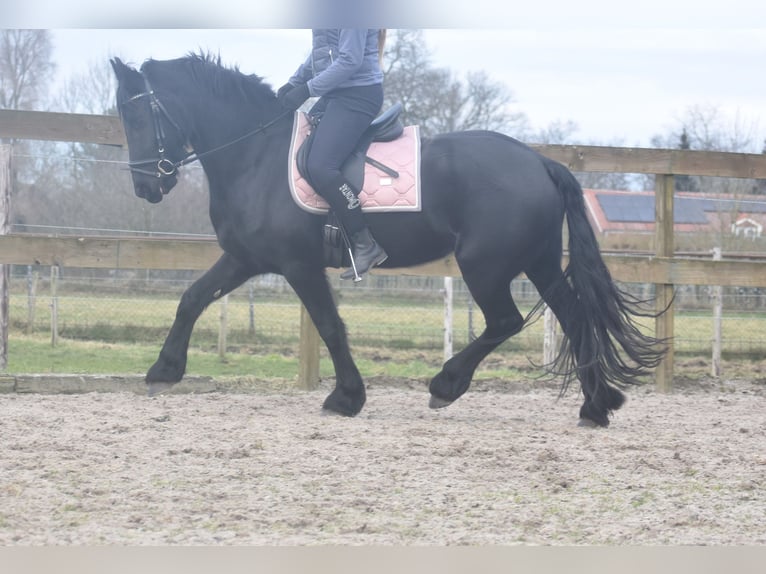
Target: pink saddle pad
(381, 192)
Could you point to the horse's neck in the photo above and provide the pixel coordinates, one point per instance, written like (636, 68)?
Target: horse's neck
(214, 132)
(249, 153)
(228, 140)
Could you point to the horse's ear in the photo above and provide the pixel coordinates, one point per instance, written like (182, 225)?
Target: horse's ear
(117, 66)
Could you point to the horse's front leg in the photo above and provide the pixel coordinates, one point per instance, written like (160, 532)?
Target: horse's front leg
(310, 284)
(223, 277)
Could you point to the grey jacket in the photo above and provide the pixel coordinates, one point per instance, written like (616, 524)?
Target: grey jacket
(340, 58)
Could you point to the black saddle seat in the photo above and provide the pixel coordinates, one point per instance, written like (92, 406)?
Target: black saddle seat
(387, 126)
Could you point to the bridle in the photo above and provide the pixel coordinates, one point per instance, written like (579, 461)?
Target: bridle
(164, 166)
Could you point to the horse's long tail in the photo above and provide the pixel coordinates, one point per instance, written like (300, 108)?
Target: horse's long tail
(603, 343)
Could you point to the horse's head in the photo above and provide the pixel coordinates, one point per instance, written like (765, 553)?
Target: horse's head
(156, 143)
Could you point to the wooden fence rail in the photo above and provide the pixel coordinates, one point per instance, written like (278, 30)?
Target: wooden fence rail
(50, 126)
(200, 254)
(664, 269)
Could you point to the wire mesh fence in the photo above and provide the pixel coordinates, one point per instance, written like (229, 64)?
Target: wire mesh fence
(384, 312)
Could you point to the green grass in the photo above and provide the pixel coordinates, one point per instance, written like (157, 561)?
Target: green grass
(122, 334)
(35, 355)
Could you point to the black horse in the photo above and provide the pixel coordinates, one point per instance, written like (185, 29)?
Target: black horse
(498, 205)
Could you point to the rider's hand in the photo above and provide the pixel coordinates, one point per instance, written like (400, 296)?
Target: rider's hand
(293, 99)
(284, 89)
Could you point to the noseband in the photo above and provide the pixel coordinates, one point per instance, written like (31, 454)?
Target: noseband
(163, 166)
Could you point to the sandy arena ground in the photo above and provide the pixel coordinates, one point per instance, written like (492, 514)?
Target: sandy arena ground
(506, 464)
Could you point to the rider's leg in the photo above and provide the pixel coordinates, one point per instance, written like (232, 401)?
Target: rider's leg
(347, 113)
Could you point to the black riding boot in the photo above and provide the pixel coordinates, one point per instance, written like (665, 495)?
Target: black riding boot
(366, 253)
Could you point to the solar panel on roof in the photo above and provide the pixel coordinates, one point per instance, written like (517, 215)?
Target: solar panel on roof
(688, 210)
(732, 205)
(627, 208)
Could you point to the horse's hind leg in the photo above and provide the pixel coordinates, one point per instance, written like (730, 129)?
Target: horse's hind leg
(600, 399)
(223, 277)
(503, 320)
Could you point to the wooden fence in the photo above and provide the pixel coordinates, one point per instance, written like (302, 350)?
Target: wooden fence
(663, 268)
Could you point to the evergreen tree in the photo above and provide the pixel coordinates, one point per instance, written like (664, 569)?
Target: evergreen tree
(685, 182)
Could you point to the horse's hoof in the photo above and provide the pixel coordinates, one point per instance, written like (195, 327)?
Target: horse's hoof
(331, 413)
(158, 388)
(343, 403)
(587, 423)
(437, 403)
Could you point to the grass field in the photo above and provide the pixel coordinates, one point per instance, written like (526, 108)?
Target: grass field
(108, 333)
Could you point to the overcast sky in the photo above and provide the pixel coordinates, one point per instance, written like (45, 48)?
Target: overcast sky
(621, 77)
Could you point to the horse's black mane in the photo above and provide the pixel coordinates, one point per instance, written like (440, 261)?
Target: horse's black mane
(208, 72)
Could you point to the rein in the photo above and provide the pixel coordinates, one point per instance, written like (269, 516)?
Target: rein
(165, 167)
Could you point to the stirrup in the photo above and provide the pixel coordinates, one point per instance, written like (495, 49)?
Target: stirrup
(357, 278)
(347, 241)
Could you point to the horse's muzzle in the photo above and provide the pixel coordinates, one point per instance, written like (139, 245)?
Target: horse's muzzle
(153, 189)
(150, 193)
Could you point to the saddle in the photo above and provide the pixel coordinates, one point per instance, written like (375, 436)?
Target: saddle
(397, 190)
(385, 128)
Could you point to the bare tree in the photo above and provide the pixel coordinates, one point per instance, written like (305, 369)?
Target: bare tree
(436, 99)
(403, 60)
(557, 132)
(561, 132)
(25, 73)
(708, 127)
(91, 92)
(26, 68)
(82, 185)
(439, 101)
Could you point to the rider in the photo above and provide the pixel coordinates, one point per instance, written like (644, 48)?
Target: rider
(344, 70)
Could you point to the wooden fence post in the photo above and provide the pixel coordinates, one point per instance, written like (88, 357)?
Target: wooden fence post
(54, 305)
(251, 308)
(32, 277)
(717, 321)
(223, 327)
(5, 217)
(308, 353)
(448, 295)
(471, 335)
(550, 335)
(664, 247)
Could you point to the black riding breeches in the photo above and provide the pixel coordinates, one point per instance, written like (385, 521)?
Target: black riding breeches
(345, 114)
